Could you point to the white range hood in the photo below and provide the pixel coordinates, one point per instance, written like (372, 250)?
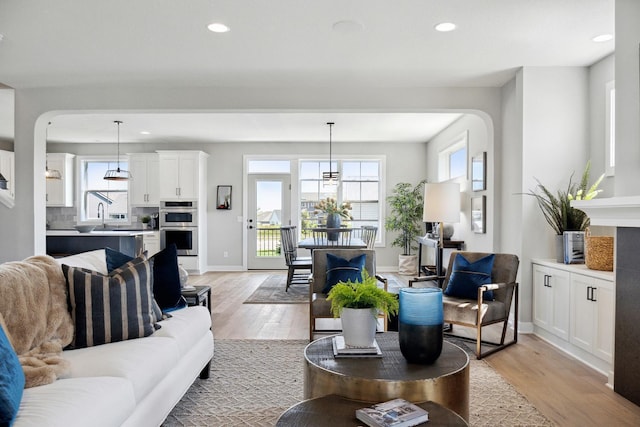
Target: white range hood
(612, 211)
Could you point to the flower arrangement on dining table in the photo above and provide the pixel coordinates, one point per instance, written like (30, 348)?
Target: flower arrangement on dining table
(330, 206)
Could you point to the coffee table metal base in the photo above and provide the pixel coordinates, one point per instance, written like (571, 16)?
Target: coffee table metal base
(445, 382)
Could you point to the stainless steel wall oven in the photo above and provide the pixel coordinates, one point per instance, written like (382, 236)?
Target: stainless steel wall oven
(179, 225)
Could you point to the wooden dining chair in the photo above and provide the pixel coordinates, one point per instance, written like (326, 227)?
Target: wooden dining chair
(294, 263)
(368, 235)
(332, 236)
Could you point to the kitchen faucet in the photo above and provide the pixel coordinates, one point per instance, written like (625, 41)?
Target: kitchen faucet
(100, 205)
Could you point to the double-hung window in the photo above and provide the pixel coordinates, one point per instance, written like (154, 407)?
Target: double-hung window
(98, 195)
(359, 184)
(452, 160)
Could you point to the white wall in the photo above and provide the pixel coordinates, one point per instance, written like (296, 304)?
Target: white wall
(478, 141)
(600, 74)
(627, 98)
(25, 223)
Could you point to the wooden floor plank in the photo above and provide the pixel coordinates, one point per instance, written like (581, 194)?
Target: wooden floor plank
(568, 392)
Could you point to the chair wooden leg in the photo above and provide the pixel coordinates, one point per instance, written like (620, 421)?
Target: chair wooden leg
(289, 278)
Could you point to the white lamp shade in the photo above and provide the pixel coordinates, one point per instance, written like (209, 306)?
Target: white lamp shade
(441, 202)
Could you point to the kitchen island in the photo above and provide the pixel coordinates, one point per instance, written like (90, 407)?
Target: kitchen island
(69, 242)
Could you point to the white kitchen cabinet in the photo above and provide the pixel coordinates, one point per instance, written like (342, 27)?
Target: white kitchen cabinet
(592, 315)
(7, 169)
(60, 191)
(151, 243)
(181, 174)
(551, 293)
(144, 187)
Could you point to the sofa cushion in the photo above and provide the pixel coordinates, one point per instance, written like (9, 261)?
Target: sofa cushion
(77, 402)
(91, 260)
(343, 270)
(186, 327)
(166, 279)
(110, 308)
(115, 259)
(11, 380)
(143, 361)
(466, 277)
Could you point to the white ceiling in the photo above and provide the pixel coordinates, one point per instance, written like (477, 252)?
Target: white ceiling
(289, 43)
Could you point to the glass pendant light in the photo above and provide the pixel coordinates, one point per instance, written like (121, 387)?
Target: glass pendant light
(117, 174)
(330, 178)
(50, 173)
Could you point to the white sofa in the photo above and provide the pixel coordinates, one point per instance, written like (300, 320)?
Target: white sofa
(130, 383)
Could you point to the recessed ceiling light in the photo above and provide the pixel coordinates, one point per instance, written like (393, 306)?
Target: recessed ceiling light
(218, 27)
(602, 38)
(445, 27)
(145, 132)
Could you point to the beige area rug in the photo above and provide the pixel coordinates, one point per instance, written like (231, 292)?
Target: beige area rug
(272, 291)
(253, 381)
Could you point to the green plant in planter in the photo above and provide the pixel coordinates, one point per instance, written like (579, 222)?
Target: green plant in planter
(361, 295)
(406, 214)
(557, 209)
(145, 219)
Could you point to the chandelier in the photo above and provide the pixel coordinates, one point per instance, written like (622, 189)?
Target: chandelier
(330, 178)
(117, 174)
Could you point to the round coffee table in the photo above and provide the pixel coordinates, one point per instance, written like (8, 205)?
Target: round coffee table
(445, 382)
(337, 411)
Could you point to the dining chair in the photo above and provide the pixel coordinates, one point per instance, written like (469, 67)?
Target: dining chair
(332, 236)
(294, 263)
(368, 235)
(484, 309)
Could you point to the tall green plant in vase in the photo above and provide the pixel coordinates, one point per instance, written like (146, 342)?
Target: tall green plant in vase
(406, 218)
(557, 209)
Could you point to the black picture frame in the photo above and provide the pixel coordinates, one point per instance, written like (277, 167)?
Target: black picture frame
(479, 172)
(478, 214)
(223, 197)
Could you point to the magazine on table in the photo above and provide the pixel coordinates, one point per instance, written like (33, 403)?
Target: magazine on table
(394, 413)
(340, 349)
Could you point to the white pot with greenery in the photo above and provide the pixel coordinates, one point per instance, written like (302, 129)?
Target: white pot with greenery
(358, 304)
(406, 217)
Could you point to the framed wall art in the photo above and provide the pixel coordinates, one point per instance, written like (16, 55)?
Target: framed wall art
(479, 172)
(223, 199)
(478, 214)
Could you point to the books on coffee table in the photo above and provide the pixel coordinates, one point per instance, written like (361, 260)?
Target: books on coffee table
(342, 350)
(394, 413)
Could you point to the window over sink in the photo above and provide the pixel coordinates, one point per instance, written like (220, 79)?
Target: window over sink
(97, 194)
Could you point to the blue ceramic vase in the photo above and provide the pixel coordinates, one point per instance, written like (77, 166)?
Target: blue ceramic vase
(333, 221)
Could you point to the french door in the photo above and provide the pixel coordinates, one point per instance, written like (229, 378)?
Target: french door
(268, 207)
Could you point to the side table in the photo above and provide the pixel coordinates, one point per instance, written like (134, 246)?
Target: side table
(336, 411)
(201, 295)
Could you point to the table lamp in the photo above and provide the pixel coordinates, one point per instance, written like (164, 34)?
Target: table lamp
(441, 204)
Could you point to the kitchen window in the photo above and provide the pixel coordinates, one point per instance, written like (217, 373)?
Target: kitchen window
(97, 194)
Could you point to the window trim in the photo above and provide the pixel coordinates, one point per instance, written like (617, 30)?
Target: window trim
(610, 129)
(80, 191)
(444, 157)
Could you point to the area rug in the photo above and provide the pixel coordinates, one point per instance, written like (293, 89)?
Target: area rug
(272, 291)
(253, 381)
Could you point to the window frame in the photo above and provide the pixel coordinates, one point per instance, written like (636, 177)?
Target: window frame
(610, 129)
(81, 190)
(457, 144)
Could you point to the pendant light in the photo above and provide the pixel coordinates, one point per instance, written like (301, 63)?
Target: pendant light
(117, 174)
(330, 178)
(50, 173)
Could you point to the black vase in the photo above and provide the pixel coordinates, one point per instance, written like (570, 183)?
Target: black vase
(420, 324)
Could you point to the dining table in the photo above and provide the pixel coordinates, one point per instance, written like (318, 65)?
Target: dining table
(312, 243)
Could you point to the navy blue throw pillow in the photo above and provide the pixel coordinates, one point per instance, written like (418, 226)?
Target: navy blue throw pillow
(115, 259)
(466, 277)
(166, 279)
(11, 381)
(342, 270)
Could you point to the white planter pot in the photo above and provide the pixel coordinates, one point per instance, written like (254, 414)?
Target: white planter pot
(359, 326)
(408, 265)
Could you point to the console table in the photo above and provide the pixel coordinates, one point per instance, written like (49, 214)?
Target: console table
(434, 243)
(445, 382)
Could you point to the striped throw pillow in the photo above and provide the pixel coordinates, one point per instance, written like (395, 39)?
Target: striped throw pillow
(111, 307)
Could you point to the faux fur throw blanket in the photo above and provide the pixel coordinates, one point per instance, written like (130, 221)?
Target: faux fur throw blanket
(33, 303)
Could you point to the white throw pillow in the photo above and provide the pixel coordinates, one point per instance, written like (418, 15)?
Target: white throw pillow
(91, 260)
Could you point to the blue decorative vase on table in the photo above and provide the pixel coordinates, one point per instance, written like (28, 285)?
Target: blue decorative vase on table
(333, 221)
(420, 322)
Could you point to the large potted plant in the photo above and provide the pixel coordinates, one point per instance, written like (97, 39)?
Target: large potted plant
(406, 217)
(358, 304)
(557, 209)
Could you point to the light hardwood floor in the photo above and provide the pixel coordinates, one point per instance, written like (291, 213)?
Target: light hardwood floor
(568, 392)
